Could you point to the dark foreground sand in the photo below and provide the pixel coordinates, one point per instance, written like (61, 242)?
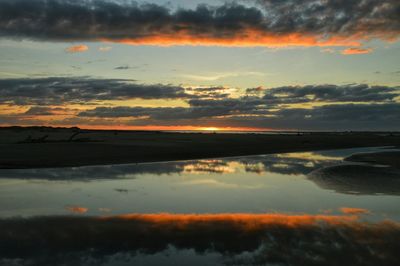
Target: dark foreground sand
(50, 147)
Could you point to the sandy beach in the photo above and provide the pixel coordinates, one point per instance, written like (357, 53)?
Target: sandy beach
(62, 147)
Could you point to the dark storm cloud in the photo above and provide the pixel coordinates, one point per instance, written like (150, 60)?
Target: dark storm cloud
(57, 90)
(328, 117)
(67, 20)
(345, 112)
(331, 93)
(334, 16)
(361, 105)
(157, 113)
(37, 110)
(302, 94)
(354, 106)
(199, 108)
(44, 110)
(265, 238)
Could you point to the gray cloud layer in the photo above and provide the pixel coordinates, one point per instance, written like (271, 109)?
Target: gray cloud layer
(345, 107)
(331, 93)
(329, 117)
(68, 20)
(48, 91)
(56, 90)
(354, 106)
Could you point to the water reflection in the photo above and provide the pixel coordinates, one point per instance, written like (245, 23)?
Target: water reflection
(232, 239)
(289, 182)
(88, 173)
(244, 213)
(325, 168)
(289, 163)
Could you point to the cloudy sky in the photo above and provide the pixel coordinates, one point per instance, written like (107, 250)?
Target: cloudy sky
(198, 64)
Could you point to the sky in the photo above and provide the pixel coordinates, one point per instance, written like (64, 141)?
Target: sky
(212, 65)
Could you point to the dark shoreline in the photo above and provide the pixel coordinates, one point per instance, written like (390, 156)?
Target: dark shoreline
(49, 148)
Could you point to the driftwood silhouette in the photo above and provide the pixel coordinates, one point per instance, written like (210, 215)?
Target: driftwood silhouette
(73, 136)
(29, 139)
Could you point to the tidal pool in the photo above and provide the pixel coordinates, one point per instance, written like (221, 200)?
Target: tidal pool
(251, 210)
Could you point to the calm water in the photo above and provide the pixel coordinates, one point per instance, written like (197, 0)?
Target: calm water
(254, 210)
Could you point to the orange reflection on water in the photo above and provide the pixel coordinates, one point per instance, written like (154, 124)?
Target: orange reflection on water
(77, 209)
(348, 210)
(244, 221)
(276, 238)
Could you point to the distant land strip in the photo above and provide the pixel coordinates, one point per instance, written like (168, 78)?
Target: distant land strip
(46, 147)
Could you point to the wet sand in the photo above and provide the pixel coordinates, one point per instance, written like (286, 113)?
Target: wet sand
(358, 179)
(363, 173)
(63, 147)
(389, 158)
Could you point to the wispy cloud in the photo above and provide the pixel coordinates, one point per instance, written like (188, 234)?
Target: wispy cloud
(218, 76)
(328, 50)
(125, 67)
(105, 48)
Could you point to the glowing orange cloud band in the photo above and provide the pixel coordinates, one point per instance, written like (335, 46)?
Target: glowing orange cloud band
(246, 38)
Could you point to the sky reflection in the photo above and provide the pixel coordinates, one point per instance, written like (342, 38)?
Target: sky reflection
(280, 209)
(266, 183)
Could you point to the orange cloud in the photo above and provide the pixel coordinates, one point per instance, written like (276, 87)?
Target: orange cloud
(356, 50)
(281, 238)
(77, 48)
(245, 38)
(228, 24)
(354, 211)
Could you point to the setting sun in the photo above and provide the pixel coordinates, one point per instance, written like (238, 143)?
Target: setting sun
(209, 129)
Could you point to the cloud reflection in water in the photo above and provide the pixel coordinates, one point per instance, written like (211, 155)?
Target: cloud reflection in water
(324, 168)
(245, 239)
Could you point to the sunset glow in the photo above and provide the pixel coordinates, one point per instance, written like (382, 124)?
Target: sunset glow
(199, 132)
(209, 66)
